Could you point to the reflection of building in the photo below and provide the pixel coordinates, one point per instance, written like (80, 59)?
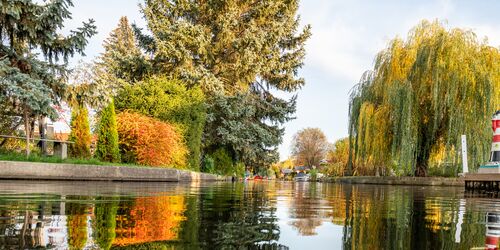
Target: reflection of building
(37, 226)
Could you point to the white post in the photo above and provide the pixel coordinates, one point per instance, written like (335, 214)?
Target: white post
(461, 211)
(465, 166)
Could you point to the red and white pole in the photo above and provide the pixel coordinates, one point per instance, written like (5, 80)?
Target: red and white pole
(492, 231)
(495, 146)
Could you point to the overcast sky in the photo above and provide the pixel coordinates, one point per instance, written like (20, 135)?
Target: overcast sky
(346, 37)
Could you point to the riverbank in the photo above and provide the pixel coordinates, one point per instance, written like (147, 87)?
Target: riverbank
(393, 180)
(16, 170)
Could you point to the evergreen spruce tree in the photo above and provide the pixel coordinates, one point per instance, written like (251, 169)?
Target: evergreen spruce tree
(80, 133)
(30, 86)
(234, 50)
(107, 141)
(122, 62)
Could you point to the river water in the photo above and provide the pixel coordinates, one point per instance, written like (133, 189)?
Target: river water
(252, 215)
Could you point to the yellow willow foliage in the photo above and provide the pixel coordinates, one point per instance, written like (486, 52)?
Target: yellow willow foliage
(437, 85)
(373, 140)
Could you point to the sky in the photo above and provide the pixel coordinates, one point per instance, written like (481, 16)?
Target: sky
(346, 36)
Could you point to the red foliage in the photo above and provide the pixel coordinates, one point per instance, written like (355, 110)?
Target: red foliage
(150, 219)
(148, 141)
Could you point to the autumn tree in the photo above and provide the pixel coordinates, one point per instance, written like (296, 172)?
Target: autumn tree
(107, 137)
(422, 94)
(30, 86)
(337, 158)
(309, 147)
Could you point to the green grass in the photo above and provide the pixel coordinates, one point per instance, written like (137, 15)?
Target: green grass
(35, 157)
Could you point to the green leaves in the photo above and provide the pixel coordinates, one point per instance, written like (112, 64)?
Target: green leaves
(170, 101)
(421, 96)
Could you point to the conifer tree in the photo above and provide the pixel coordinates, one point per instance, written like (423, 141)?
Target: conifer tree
(107, 141)
(122, 62)
(80, 132)
(30, 86)
(234, 50)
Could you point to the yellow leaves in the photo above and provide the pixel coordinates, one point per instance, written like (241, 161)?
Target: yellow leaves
(151, 219)
(150, 141)
(438, 84)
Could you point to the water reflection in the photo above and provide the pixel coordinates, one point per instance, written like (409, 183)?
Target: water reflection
(254, 215)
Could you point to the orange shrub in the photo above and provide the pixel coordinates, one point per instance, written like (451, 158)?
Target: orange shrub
(148, 141)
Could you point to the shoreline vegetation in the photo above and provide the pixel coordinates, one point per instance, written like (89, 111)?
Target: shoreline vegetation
(25, 170)
(45, 163)
(197, 88)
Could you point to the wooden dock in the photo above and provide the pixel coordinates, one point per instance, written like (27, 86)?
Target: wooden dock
(486, 182)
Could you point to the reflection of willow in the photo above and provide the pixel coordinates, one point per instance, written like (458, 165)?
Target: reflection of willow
(304, 208)
(239, 217)
(76, 222)
(401, 218)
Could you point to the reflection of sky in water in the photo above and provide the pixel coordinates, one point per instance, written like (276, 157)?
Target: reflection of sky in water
(327, 234)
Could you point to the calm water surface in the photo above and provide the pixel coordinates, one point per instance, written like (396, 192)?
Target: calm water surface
(253, 215)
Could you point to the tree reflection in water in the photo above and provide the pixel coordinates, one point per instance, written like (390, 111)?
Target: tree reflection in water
(253, 215)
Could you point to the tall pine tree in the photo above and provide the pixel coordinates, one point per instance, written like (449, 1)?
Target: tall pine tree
(232, 49)
(122, 62)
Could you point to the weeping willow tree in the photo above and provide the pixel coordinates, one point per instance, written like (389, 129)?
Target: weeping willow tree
(422, 94)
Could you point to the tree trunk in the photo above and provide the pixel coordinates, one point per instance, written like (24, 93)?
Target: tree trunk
(27, 132)
(421, 170)
(42, 125)
(421, 166)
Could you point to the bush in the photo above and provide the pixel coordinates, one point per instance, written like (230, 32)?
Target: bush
(148, 141)
(239, 169)
(80, 133)
(314, 174)
(170, 101)
(223, 162)
(107, 140)
(208, 165)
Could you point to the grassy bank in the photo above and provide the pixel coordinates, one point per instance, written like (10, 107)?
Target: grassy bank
(34, 157)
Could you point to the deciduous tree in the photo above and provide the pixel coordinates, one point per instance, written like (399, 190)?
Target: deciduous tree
(148, 141)
(422, 93)
(309, 147)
